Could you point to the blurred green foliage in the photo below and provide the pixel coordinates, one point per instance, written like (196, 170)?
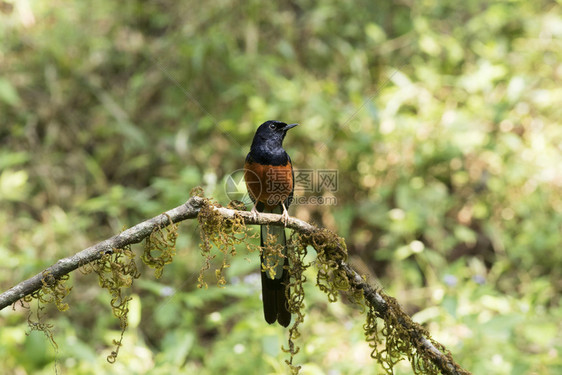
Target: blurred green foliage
(441, 118)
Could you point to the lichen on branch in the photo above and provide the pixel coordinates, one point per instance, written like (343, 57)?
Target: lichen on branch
(116, 270)
(389, 330)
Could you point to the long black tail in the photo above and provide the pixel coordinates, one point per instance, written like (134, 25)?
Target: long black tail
(275, 307)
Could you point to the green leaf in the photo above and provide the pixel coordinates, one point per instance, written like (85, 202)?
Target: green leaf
(8, 93)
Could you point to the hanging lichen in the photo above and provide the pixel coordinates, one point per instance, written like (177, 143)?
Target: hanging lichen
(53, 290)
(224, 234)
(38, 323)
(162, 241)
(297, 251)
(116, 270)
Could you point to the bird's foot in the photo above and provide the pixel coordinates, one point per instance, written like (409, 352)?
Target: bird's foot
(254, 213)
(285, 217)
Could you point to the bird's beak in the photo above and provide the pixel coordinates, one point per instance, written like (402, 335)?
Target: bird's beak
(290, 126)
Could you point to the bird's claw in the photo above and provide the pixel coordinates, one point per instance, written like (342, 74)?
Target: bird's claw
(285, 217)
(254, 213)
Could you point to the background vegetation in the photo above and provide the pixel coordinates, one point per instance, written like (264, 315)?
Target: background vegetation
(441, 117)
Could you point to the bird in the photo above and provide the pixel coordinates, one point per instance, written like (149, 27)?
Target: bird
(269, 178)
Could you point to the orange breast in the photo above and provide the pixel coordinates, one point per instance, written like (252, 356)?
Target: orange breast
(268, 184)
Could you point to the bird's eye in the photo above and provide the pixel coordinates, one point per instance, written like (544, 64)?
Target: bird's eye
(272, 126)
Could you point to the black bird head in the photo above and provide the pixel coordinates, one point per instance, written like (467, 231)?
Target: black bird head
(271, 133)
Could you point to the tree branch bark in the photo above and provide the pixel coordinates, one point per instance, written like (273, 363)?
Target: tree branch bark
(190, 210)
(133, 235)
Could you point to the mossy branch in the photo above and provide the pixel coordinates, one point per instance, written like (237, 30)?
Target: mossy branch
(420, 344)
(133, 235)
